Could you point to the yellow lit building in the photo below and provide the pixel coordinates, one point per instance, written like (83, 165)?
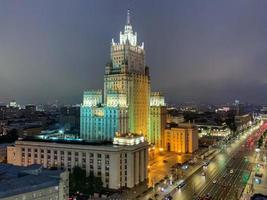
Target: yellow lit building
(157, 120)
(182, 138)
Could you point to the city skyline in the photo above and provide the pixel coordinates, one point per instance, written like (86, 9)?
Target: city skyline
(56, 50)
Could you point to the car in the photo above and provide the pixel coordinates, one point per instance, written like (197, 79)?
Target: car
(184, 167)
(206, 163)
(259, 175)
(207, 197)
(165, 161)
(214, 181)
(182, 184)
(203, 174)
(168, 198)
(231, 171)
(224, 176)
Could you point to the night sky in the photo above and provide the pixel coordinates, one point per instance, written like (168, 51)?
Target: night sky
(198, 50)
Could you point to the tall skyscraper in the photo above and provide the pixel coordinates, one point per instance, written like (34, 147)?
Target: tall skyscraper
(125, 107)
(127, 82)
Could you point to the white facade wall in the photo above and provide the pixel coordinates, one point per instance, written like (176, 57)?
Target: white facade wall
(118, 166)
(50, 193)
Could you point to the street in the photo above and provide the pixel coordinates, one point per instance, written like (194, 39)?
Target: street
(219, 183)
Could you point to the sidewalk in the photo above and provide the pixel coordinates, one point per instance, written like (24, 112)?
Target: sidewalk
(142, 192)
(188, 173)
(253, 186)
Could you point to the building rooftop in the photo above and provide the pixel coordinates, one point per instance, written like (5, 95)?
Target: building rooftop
(67, 141)
(16, 180)
(128, 139)
(180, 125)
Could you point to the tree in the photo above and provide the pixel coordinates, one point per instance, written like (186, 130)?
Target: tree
(79, 182)
(260, 141)
(10, 137)
(230, 121)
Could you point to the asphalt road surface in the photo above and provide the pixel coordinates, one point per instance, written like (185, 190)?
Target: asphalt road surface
(225, 176)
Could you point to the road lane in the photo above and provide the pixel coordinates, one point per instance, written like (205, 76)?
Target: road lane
(231, 157)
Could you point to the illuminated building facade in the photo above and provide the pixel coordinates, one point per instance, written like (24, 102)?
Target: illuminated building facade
(182, 138)
(125, 104)
(157, 120)
(122, 163)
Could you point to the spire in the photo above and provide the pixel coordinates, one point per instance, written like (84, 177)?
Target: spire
(128, 35)
(128, 17)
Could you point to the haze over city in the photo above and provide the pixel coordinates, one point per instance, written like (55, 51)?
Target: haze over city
(133, 100)
(204, 51)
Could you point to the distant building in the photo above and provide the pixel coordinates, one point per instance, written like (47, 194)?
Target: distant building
(30, 108)
(243, 121)
(70, 117)
(213, 130)
(33, 182)
(13, 104)
(122, 163)
(182, 138)
(174, 116)
(157, 119)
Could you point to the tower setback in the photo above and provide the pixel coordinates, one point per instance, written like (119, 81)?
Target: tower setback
(126, 97)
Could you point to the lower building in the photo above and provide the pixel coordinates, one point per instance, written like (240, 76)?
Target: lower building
(157, 119)
(182, 138)
(99, 122)
(213, 130)
(3, 152)
(122, 163)
(33, 182)
(243, 121)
